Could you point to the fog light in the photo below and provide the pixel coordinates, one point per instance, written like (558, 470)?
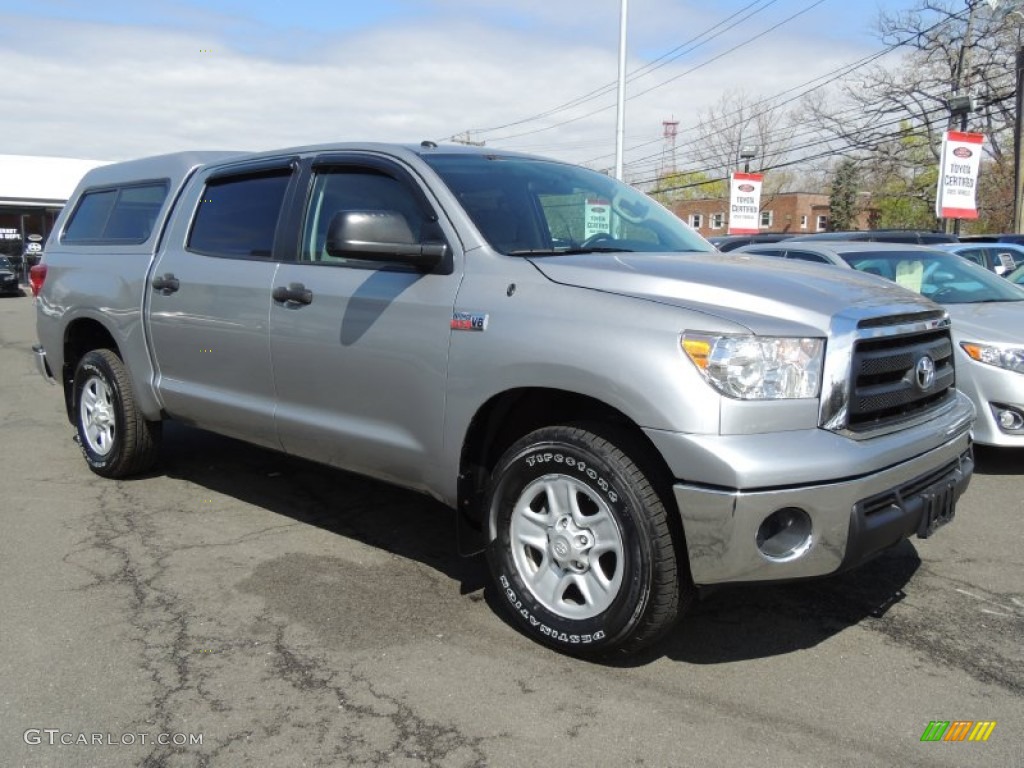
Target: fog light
(785, 534)
(1010, 419)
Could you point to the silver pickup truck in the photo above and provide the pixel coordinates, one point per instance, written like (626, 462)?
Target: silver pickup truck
(619, 413)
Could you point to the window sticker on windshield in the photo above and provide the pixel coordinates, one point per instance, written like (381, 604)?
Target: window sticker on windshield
(909, 275)
(1006, 260)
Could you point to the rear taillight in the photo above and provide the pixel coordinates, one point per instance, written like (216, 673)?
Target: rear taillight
(36, 278)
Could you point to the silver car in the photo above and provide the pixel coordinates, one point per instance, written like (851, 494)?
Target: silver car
(987, 313)
(1017, 276)
(1001, 258)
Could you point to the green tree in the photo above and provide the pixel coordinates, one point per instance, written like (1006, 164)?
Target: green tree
(904, 180)
(995, 197)
(843, 208)
(674, 188)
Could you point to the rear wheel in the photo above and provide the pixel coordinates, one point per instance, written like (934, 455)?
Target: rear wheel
(115, 438)
(584, 553)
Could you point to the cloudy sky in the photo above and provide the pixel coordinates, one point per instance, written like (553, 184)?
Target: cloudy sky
(116, 79)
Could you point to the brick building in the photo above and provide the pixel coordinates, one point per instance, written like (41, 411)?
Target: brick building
(792, 212)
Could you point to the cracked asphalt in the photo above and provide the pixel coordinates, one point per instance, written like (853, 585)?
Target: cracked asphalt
(285, 614)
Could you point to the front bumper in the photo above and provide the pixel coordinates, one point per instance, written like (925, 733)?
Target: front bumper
(992, 389)
(851, 520)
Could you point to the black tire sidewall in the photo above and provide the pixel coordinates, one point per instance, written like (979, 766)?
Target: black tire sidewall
(522, 465)
(95, 365)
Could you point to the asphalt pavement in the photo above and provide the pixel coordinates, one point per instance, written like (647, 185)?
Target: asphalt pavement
(237, 607)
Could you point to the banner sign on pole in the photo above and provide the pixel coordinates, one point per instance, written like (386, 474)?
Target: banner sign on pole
(958, 175)
(745, 203)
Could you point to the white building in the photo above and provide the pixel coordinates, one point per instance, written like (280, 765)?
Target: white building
(32, 192)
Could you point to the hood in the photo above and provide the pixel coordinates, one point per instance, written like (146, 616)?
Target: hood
(998, 321)
(755, 291)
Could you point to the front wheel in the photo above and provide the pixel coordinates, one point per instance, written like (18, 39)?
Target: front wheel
(584, 553)
(115, 438)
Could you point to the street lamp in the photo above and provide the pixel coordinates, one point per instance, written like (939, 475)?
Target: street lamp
(747, 154)
(620, 117)
(961, 106)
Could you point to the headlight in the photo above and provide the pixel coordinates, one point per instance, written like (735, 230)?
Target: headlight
(1010, 358)
(758, 367)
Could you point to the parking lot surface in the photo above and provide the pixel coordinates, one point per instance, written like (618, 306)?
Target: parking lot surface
(237, 607)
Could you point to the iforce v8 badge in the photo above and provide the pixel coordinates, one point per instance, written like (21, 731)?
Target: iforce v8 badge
(469, 321)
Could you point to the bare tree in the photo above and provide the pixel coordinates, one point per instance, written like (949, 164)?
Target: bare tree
(740, 120)
(891, 118)
(956, 49)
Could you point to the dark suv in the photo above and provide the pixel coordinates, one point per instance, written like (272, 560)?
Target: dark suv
(728, 242)
(999, 237)
(8, 276)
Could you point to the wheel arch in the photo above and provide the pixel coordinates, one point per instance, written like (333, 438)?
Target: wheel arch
(80, 337)
(510, 415)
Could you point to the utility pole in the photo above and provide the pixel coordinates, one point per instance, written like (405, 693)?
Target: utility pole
(620, 120)
(1018, 149)
(963, 64)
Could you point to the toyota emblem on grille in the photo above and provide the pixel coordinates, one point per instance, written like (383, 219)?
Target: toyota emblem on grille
(924, 373)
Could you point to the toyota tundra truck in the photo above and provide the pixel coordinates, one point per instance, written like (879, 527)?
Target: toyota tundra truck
(621, 415)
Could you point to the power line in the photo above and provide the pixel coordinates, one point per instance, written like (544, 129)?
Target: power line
(650, 160)
(662, 84)
(938, 110)
(666, 82)
(695, 42)
(825, 79)
(772, 102)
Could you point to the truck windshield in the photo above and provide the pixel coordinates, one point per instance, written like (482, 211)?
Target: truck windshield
(534, 207)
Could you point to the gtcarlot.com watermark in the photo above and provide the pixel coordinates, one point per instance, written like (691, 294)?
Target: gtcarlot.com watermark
(55, 736)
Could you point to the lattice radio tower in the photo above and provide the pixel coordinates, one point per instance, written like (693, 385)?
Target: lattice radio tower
(668, 150)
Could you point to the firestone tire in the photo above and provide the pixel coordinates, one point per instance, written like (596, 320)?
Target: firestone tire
(584, 555)
(114, 437)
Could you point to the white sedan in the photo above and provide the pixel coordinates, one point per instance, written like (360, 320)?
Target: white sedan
(987, 313)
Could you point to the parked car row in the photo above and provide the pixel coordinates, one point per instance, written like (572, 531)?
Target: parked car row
(987, 313)
(1001, 254)
(917, 237)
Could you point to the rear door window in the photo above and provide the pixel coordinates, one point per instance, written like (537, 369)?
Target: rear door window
(237, 216)
(977, 255)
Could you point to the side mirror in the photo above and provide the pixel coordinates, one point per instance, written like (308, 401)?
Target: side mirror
(380, 236)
